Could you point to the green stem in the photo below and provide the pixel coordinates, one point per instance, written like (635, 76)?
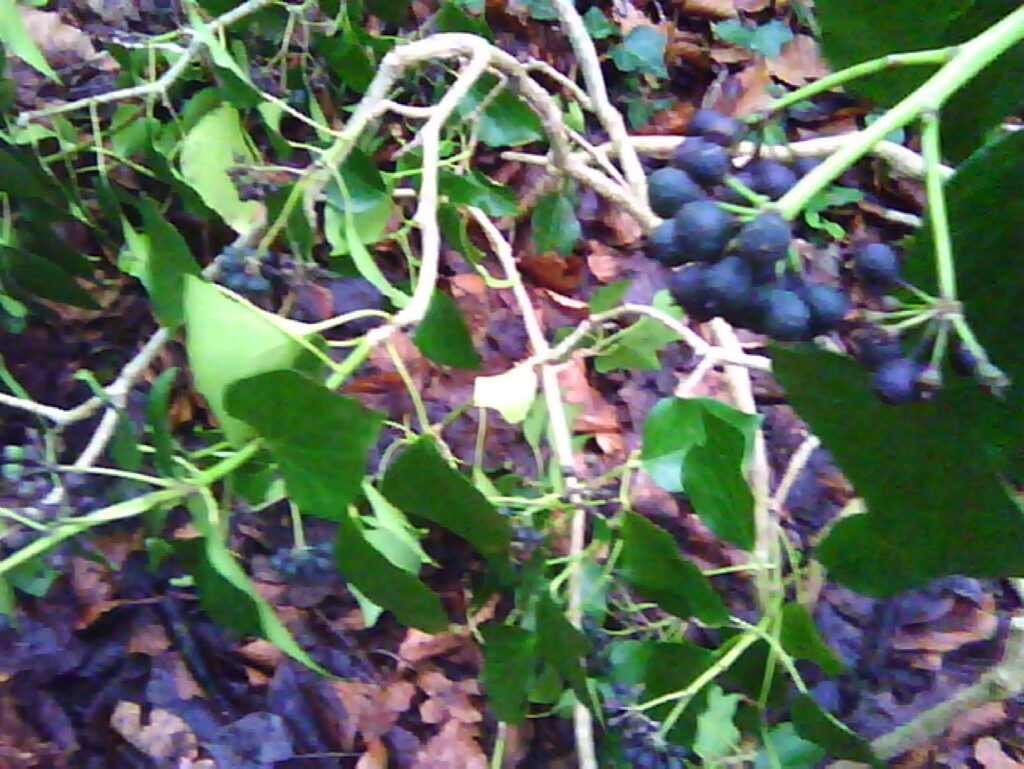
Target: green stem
(936, 198)
(935, 56)
(350, 364)
(969, 59)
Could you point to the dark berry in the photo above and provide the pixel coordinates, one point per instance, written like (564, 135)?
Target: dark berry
(727, 284)
(876, 265)
(705, 161)
(256, 284)
(751, 313)
(715, 127)
(669, 188)
(787, 317)
(875, 347)
(828, 306)
(688, 290)
(770, 178)
(662, 244)
(702, 229)
(895, 381)
(764, 240)
(803, 166)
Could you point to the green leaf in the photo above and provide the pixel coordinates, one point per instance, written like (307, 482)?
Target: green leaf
(670, 667)
(39, 277)
(921, 470)
(597, 23)
(507, 676)
(165, 262)
(563, 646)
(766, 39)
(156, 417)
(510, 393)
(228, 596)
(215, 144)
(984, 245)
(637, 347)
(506, 121)
(451, 17)
(421, 484)
(392, 534)
(788, 750)
(717, 735)
(477, 189)
(608, 297)
(555, 227)
(642, 50)
(443, 335)
(365, 186)
(653, 565)
(853, 31)
(675, 425)
(401, 593)
(800, 639)
(319, 438)
(227, 341)
(17, 41)
(713, 479)
(817, 726)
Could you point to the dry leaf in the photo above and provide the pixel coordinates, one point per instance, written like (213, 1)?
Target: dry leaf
(418, 646)
(799, 62)
(372, 709)
(447, 699)
(453, 746)
(375, 757)
(715, 9)
(989, 753)
(164, 738)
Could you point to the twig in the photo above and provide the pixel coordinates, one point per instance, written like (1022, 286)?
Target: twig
(903, 160)
(797, 462)
(561, 438)
(611, 118)
(766, 539)
(734, 357)
(165, 81)
(1004, 681)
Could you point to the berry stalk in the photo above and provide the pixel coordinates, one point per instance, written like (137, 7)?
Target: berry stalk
(971, 57)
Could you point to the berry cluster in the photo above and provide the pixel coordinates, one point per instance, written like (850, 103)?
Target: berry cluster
(305, 565)
(733, 269)
(735, 258)
(640, 745)
(240, 269)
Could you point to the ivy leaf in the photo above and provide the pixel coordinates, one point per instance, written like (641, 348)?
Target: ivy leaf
(421, 484)
(509, 662)
(653, 565)
(443, 335)
(816, 725)
(40, 277)
(18, 42)
(477, 189)
(301, 422)
(642, 50)
(395, 589)
(801, 639)
(164, 262)
(562, 645)
(214, 145)
(597, 23)
(227, 593)
(555, 227)
(922, 457)
(766, 39)
(227, 341)
(713, 480)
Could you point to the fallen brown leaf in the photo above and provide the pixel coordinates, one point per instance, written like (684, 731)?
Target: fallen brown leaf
(164, 738)
(799, 62)
(990, 754)
(454, 746)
